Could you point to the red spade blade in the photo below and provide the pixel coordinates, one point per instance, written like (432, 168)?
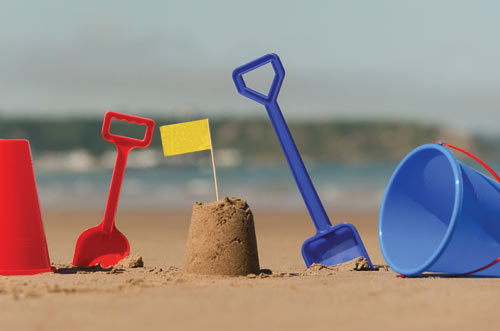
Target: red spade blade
(96, 246)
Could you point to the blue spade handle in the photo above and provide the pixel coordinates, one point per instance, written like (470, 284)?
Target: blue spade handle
(306, 187)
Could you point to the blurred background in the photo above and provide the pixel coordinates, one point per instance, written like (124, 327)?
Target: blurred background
(366, 82)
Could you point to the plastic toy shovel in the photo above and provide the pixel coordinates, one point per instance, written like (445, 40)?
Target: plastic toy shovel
(104, 244)
(330, 245)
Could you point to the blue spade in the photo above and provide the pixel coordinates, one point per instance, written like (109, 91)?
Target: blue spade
(330, 245)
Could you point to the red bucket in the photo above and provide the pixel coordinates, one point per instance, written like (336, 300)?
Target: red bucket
(23, 247)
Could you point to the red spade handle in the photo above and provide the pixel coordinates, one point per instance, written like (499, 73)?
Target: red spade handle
(123, 145)
(127, 141)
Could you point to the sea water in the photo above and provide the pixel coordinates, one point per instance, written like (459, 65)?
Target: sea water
(340, 187)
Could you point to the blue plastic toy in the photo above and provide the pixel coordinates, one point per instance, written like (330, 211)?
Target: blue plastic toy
(330, 245)
(440, 215)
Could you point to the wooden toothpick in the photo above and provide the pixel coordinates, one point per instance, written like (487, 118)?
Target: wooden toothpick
(213, 162)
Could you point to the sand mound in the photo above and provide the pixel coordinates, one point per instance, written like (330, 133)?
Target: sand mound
(131, 261)
(221, 239)
(357, 264)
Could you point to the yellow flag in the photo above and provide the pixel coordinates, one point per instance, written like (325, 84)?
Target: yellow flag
(185, 137)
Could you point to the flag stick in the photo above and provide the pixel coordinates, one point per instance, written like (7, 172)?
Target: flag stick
(213, 161)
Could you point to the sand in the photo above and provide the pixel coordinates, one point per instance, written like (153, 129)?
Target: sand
(221, 239)
(282, 296)
(357, 264)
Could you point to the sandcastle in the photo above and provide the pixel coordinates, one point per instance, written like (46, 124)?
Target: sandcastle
(221, 239)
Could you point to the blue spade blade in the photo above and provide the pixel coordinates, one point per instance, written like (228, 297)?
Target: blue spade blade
(330, 245)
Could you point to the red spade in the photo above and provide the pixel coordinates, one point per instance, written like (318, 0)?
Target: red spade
(104, 244)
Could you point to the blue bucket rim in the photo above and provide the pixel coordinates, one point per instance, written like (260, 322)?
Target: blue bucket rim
(457, 206)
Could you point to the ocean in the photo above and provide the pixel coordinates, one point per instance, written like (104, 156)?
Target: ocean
(340, 187)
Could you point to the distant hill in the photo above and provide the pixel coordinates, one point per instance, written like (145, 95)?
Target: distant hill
(254, 139)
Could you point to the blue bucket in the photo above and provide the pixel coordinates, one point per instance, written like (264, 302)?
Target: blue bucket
(440, 215)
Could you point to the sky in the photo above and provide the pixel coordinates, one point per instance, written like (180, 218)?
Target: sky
(433, 61)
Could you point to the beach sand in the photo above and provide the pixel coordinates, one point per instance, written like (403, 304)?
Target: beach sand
(160, 297)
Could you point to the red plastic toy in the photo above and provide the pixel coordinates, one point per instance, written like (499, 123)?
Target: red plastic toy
(23, 247)
(104, 244)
